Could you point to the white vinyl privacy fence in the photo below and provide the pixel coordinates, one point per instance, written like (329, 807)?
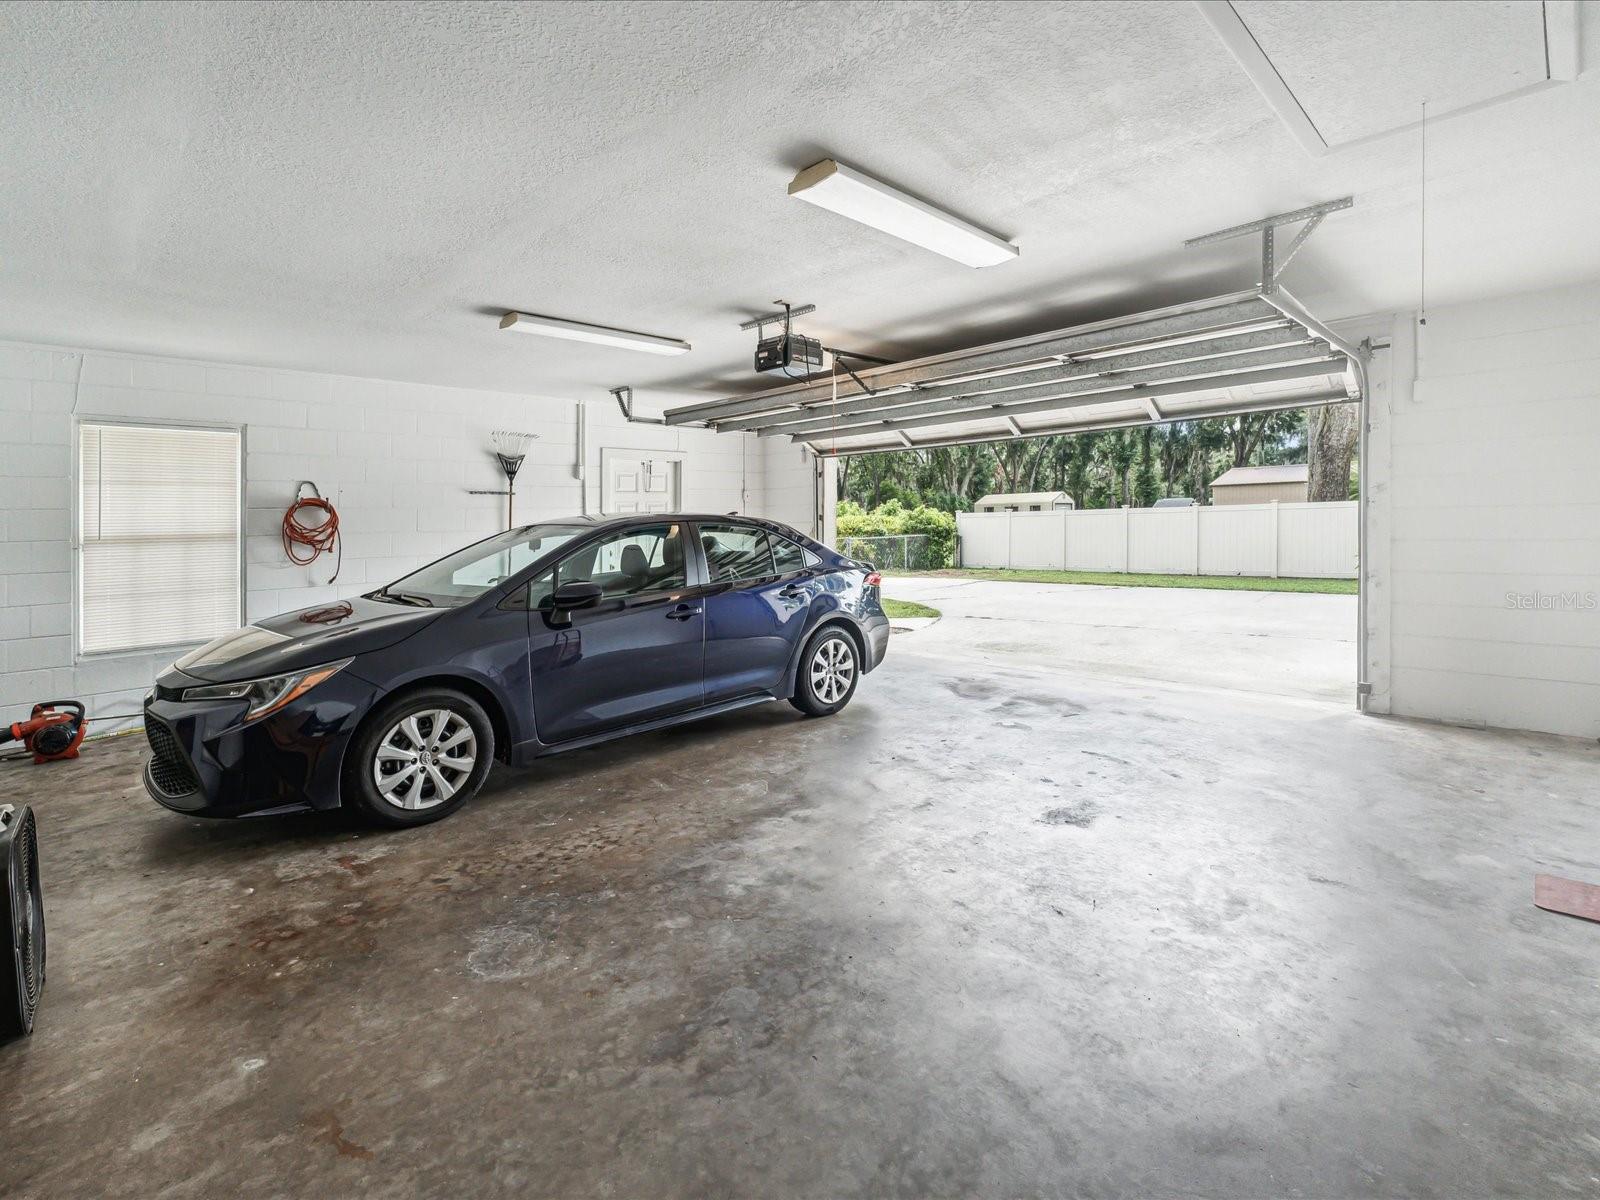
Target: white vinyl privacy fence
(1305, 541)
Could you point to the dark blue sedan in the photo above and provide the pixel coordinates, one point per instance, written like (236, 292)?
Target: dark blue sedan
(541, 639)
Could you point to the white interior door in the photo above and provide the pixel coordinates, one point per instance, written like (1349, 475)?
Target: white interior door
(641, 483)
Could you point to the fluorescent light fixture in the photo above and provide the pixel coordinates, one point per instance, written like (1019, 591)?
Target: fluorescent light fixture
(600, 335)
(852, 193)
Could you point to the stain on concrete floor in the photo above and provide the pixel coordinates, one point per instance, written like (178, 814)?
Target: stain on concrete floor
(766, 955)
(1080, 814)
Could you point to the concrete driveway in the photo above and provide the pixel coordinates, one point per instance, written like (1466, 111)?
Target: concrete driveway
(1279, 643)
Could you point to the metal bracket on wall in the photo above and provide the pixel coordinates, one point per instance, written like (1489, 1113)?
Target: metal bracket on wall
(775, 318)
(624, 397)
(860, 383)
(1273, 263)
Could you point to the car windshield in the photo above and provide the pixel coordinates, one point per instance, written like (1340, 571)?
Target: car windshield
(473, 570)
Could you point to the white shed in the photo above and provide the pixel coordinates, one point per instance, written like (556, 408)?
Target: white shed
(1025, 502)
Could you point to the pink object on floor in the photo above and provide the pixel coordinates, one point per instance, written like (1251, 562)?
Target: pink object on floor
(1567, 896)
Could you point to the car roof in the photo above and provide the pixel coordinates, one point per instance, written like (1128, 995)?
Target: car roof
(606, 520)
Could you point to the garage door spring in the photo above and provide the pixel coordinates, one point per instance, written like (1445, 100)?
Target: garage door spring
(321, 537)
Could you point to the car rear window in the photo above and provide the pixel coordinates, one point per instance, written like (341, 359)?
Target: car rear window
(789, 556)
(736, 552)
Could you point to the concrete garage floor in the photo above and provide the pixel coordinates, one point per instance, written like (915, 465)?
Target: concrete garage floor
(998, 929)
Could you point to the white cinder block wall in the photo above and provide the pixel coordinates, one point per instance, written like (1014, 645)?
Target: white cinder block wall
(1485, 608)
(793, 489)
(396, 459)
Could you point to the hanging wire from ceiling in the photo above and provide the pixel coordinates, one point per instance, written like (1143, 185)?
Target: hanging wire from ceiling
(834, 376)
(744, 473)
(1422, 266)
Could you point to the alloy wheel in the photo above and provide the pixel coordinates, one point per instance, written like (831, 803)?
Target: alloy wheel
(833, 667)
(424, 759)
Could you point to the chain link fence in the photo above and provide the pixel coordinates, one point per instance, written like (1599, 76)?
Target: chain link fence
(892, 552)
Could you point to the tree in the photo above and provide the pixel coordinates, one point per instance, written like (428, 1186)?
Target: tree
(1018, 462)
(1097, 468)
(1173, 442)
(1245, 433)
(1146, 486)
(1121, 451)
(962, 471)
(1206, 449)
(1056, 463)
(1081, 456)
(877, 470)
(1248, 432)
(976, 464)
(1332, 434)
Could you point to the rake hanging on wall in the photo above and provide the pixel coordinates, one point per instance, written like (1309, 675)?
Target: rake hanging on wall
(510, 448)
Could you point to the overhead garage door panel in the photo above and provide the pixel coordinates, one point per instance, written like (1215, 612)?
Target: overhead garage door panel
(1234, 353)
(1322, 387)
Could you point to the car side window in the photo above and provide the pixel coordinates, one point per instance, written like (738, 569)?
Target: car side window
(540, 589)
(789, 556)
(635, 562)
(533, 594)
(736, 553)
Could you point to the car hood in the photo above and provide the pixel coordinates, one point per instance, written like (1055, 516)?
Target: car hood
(308, 637)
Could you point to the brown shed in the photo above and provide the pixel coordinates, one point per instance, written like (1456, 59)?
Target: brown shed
(1261, 485)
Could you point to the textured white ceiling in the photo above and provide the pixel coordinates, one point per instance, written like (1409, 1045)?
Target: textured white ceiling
(1361, 67)
(365, 188)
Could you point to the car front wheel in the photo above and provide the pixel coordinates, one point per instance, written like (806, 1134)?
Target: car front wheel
(829, 671)
(419, 757)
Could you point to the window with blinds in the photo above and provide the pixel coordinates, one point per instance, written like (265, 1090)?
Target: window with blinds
(158, 535)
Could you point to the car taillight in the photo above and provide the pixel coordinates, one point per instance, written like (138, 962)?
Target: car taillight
(874, 579)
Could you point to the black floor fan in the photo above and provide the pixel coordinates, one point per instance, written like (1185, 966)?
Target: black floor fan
(22, 907)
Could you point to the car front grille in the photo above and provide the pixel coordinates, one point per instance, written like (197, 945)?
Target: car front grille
(169, 767)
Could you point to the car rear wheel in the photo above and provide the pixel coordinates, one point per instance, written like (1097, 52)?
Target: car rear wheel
(829, 671)
(419, 757)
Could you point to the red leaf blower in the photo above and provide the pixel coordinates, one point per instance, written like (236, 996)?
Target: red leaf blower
(54, 731)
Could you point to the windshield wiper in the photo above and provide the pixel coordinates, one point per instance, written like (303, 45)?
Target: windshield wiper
(406, 598)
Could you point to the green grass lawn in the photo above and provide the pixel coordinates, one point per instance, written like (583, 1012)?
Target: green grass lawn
(908, 608)
(1225, 583)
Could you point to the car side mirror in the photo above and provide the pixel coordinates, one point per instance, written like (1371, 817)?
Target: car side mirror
(578, 594)
(570, 596)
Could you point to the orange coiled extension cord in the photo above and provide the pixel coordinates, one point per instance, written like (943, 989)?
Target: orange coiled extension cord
(319, 539)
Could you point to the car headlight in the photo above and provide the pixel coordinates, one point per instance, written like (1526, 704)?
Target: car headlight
(268, 695)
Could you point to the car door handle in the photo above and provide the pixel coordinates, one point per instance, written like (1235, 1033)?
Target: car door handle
(682, 612)
(793, 590)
